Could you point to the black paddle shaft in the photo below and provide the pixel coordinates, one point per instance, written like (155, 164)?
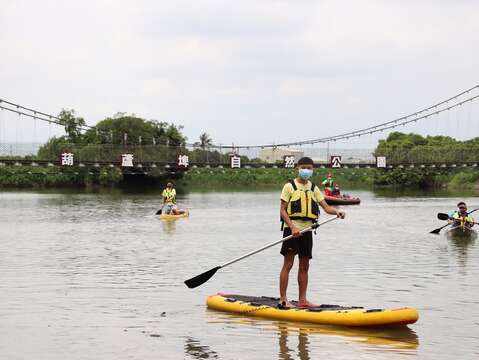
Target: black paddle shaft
(204, 277)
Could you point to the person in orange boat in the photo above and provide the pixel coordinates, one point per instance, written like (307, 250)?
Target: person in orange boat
(336, 190)
(328, 184)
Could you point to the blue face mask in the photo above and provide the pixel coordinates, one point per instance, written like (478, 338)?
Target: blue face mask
(305, 173)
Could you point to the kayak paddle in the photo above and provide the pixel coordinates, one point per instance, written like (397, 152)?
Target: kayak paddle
(438, 230)
(158, 212)
(472, 211)
(440, 216)
(443, 216)
(204, 277)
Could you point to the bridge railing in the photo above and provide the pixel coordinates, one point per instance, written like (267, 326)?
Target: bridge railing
(103, 153)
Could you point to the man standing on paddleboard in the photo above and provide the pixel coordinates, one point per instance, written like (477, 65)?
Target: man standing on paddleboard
(300, 201)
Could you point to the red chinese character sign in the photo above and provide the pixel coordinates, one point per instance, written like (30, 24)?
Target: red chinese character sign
(335, 161)
(381, 162)
(235, 162)
(183, 161)
(289, 161)
(66, 159)
(127, 160)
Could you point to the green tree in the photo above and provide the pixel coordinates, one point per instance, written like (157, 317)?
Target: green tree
(205, 143)
(138, 131)
(73, 125)
(52, 149)
(413, 148)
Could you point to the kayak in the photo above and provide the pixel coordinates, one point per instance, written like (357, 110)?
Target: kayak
(342, 200)
(173, 217)
(266, 307)
(463, 232)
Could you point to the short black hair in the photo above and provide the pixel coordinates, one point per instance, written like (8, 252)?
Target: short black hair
(305, 161)
(461, 203)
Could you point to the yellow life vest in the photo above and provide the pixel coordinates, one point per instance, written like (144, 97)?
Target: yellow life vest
(303, 205)
(460, 220)
(169, 196)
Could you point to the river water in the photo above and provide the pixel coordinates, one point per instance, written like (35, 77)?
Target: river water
(98, 276)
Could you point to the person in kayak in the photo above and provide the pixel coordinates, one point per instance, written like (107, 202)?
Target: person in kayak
(328, 184)
(460, 215)
(300, 202)
(336, 190)
(169, 201)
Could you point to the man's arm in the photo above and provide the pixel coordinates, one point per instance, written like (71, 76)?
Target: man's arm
(287, 219)
(331, 210)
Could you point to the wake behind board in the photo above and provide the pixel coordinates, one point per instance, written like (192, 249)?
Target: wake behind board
(267, 307)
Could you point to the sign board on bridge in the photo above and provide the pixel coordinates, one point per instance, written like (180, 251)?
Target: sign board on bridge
(183, 161)
(235, 162)
(289, 161)
(66, 159)
(335, 161)
(127, 160)
(381, 161)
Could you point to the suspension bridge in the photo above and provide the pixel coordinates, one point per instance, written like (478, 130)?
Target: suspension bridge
(23, 130)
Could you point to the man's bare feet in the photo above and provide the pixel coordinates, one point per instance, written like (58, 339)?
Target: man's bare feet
(306, 304)
(285, 304)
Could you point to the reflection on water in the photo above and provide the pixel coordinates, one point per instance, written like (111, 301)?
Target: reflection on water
(297, 338)
(168, 225)
(461, 247)
(430, 193)
(194, 349)
(285, 352)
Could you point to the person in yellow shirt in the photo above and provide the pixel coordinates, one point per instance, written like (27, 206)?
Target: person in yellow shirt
(461, 216)
(169, 200)
(300, 202)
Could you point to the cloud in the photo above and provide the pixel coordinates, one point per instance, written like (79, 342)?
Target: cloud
(257, 64)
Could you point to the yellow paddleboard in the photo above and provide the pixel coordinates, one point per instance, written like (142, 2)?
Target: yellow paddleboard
(266, 307)
(173, 217)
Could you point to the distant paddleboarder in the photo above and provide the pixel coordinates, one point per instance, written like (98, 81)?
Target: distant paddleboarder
(169, 201)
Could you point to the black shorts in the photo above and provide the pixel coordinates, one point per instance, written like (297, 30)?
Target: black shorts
(303, 245)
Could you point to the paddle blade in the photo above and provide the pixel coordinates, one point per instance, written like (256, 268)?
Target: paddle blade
(202, 278)
(442, 216)
(158, 212)
(435, 231)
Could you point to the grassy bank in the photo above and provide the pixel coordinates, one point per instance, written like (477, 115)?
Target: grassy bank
(50, 176)
(417, 178)
(238, 179)
(456, 178)
(214, 178)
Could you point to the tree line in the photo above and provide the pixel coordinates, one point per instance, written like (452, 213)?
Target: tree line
(400, 147)
(149, 140)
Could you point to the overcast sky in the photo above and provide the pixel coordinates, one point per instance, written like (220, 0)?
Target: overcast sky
(244, 71)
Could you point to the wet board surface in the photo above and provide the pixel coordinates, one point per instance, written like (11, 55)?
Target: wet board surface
(273, 302)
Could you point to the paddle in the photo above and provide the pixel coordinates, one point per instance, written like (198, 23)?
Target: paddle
(158, 212)
(438, 230)
(472, 211)
(204, 277)
(442, 216)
